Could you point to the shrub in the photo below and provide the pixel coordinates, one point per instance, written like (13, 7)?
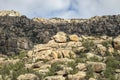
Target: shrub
(89, 45)
(89, 73)
(94, 59)
(107, 43)
(73, 65)
(80, 60)
(80, 54)
(14, 70)
(21, 55)
(111, 65)
(54, 68)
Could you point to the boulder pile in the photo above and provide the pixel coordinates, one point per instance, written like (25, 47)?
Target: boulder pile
(66, 57)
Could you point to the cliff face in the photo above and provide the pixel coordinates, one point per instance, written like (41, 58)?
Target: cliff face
(20, 32)
(59, 49)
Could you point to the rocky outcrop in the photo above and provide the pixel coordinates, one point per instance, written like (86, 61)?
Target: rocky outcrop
(9, 13)
(77, 58)
(60, 37)
(14, 26)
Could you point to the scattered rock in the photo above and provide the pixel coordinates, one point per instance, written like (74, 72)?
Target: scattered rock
(60, 37)
(54, 78)
(28, 77)
(117, 70)
(73, 37)
(116, 42)
(65, 71)
(78, 76)
(97, 66)
(110, 49)
(101, 49)
(117, 76)
(62, 60)
(92, 79)
(81, 66)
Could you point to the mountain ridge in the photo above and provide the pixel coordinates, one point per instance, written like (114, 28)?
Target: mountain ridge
(59, 49)
(37, 30)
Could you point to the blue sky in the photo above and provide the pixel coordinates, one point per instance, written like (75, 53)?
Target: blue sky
(62, 8)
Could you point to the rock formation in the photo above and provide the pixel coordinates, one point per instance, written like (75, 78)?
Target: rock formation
(71, 57)
(17, 32)
(9, 13)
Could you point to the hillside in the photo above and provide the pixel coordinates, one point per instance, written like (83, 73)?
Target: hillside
(59, 49)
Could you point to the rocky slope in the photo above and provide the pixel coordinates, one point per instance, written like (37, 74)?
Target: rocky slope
(59, 49)
(66, 57)
(19, 32)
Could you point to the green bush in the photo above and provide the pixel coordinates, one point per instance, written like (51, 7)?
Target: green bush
(73, 65)
(14, 70)
(89, 73)
(54, 68)
(80, 54)
(111, 65)
(89, 45)
(94, 59)
(80, 60)
(107, 43)
(21, 55)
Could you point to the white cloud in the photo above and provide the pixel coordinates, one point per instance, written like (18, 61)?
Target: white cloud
(62, 8)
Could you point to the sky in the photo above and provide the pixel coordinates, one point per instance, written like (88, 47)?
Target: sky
(62, 8)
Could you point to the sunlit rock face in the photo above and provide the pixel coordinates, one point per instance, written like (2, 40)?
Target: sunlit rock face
(9, 13)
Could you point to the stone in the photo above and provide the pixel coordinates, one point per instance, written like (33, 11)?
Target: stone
(74, 38)
(60, 37)
(79, 49)
(1, 77)
(62, 60)
(98, 41)
(43, 71)
(30, 53)
(28, 66)
(92, 79)
(54, 54)
(84, 37)
(66, 70)
(44, 54)
(41, 47)
(81, 66)
(117, 70)
(97, 66)
(57, 77)
(24, 43)
(45, 66)
(9, 13)
(116, 42)
(28, 76)
(63, 53)
(37, 64)
(110, 49)
(73, 44)
(117, 76)
(78, 76)
(91, 55)
(104, 37)
(68, 53)
(101, 49)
